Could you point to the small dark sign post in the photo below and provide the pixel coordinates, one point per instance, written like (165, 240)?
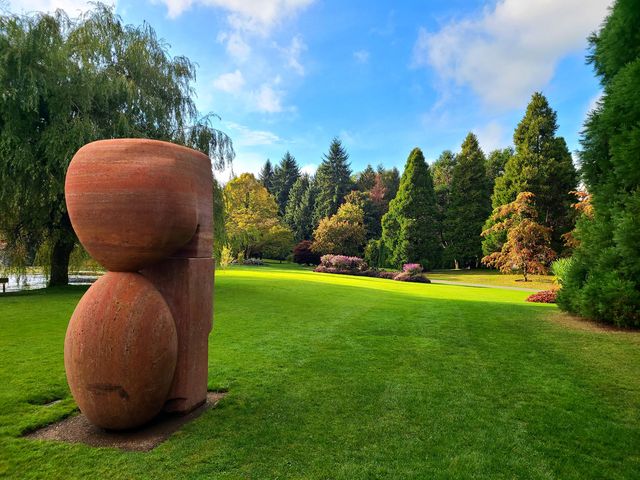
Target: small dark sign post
(4, 281)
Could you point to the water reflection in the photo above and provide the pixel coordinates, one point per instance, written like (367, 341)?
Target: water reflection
(38, 280)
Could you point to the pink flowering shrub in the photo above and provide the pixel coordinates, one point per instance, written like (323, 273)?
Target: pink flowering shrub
(341, 264)
(545, 296)
(412, 268)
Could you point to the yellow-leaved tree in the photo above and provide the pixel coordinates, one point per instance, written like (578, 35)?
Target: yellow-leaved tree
(252, 224)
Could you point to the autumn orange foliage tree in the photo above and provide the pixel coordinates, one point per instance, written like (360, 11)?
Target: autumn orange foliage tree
(527, 248)
(583, 207)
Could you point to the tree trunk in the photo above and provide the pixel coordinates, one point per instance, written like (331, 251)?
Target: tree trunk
(456, 265)
(60, 262)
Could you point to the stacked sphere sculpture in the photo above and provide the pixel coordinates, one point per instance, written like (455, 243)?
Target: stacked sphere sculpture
(137, 343)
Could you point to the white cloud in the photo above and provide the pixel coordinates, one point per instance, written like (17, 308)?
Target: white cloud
(251, 15)
(244, 136)
(267, 99)
(72, 7)
(292, 54)
(490, 136)
(309, 169)
(230, 82)
(361, 56)
(512, 49)
(236, 46)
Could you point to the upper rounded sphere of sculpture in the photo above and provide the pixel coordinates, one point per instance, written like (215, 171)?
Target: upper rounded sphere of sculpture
(133, 202)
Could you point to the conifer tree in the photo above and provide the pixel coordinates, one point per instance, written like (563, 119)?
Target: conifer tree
(371, 213)
(541, 165)
(603, 279)
(409, 228)
(442, 174)
(333, 181)
(300, 224)
(390, 180)
(366, 179)
(284, 176)
(496, 162)
(266, 176)
(303, 216)
(469, 205)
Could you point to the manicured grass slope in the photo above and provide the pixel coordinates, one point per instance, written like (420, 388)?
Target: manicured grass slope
(493, 277)
(341, 377)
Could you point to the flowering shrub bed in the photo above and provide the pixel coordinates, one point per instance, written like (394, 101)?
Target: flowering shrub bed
(341, 264)
(412, 268)
(545, 296)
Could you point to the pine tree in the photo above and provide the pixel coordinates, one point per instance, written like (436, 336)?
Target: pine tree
(300, 225)
(469, 205)
(496, 162)
(371, 214)
(442, 172)
(390, 180)
(442, 169)
(284, 176)
(409, 228)
(366, 179)
(603, 279)
(303, 217)
(266, 176)
(333, 181)
(541, 165)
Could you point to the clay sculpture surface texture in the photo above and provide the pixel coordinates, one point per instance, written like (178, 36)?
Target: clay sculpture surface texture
(137, 343)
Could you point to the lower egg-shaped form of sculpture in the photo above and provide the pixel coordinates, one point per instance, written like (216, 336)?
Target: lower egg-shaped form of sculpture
(120, 351)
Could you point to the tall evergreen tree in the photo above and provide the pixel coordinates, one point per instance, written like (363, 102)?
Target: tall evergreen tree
(496, 162)
(390, 180)
(366, 179)
(409, 228)
(603, 280)
(541, 165)
(442, 172)
(303, 217)
(333, 181)
(284, 176)
(300, 225)
(469, 205)
(266, 176)
(372, 216)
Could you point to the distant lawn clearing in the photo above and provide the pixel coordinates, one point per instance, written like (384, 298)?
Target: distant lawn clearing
(332, 376)
(495, 278)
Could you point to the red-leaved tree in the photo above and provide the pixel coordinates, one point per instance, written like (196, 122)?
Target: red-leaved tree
(527, 248)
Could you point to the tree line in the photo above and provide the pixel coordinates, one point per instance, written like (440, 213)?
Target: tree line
(434, 214)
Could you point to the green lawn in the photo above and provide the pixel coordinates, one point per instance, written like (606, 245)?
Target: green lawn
(495, 278)
(353, 378)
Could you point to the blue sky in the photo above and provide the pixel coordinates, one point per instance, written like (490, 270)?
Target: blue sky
(383, 76)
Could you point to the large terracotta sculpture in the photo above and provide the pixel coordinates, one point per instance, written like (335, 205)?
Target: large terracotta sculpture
(137, 341)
